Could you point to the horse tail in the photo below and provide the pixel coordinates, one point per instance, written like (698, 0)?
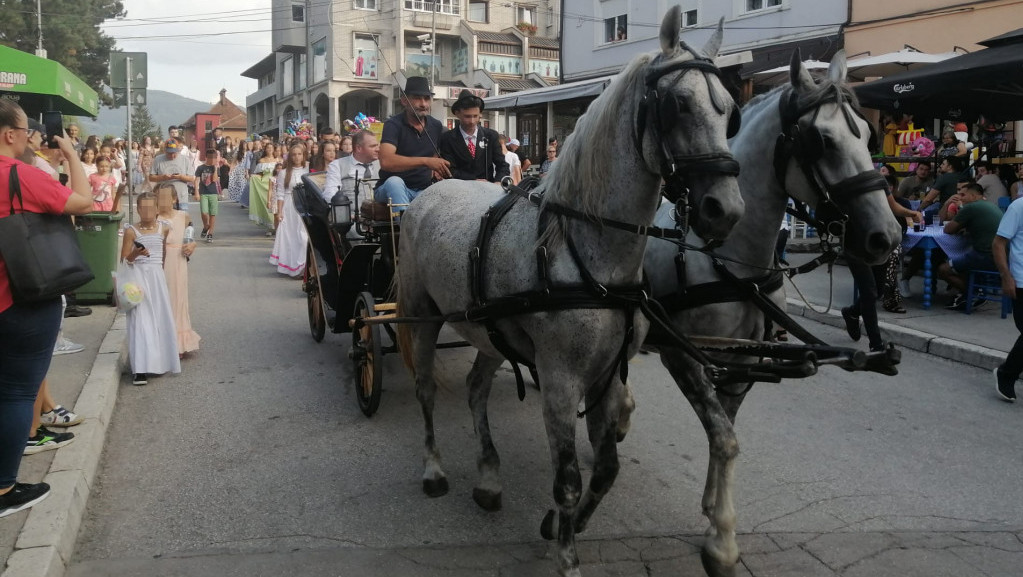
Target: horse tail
(402, 330)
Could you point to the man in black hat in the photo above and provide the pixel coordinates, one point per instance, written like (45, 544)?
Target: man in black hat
(473, 150)
(409, 160)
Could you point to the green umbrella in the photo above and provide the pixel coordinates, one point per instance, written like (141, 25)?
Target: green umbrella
(38, 84)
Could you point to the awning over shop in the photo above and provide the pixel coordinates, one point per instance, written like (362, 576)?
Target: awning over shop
(38, 84)
(545, 94)
(988, 82)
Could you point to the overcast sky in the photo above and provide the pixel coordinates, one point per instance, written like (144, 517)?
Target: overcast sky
(196, 47)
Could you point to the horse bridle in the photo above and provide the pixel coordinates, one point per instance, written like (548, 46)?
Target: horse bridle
(664, 110)
(807, 146)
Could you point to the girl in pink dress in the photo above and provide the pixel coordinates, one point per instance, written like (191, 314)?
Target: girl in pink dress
(175, 266)
(104, 185)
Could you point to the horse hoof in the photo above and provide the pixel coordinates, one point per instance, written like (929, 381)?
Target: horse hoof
(620, 435)
(714, 567)
(487, 500)
(435, 487)
(547, 526)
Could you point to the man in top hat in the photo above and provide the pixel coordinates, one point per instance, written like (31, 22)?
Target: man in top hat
(409, 159)
(473, 150)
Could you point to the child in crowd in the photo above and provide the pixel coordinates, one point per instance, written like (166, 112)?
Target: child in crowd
(290, 244)
(175, 266)
(152, 334)
(104, 185)
(88, 158)
(208, 193)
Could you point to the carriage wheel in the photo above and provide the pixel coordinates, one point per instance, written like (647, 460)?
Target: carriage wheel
(311, 280)
(366, 356)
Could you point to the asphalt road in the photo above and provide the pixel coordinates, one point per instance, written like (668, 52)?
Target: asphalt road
(256, 461)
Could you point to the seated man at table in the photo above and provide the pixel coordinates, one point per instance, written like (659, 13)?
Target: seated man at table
(949, 174)
(913, 186)
(980, 220)
(987, 178)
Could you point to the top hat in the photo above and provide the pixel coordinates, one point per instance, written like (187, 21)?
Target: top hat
(467, 99)
(417, 86)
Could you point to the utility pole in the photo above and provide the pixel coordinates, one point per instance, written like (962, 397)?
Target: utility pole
(131, 186)
(40, 52)
(433, 47)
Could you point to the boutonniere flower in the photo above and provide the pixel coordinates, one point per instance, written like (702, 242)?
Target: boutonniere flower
(483, 144)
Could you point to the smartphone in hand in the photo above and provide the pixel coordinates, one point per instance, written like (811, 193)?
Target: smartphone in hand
(139, 245)
(53, 120)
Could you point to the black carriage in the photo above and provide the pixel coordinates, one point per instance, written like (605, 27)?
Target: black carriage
(350, 263)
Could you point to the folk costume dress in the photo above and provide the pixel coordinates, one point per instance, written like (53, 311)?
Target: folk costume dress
(290, 242)
(259, 192)
(152, 342)
(175, 268)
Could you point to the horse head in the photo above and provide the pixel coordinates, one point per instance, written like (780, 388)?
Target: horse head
(682, 130)
(823, 158)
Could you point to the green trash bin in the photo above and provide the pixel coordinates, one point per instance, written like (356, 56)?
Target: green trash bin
(97, 236)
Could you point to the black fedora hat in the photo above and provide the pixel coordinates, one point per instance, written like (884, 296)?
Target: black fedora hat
(467, 99)
(417, 86)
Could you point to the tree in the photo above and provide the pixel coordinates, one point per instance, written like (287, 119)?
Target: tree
(71, 33)
(143, 125)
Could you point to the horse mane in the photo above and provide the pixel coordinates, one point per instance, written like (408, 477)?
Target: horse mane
(583, 169)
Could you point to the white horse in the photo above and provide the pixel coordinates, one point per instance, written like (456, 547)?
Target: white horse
(807, 140)
(664, 117)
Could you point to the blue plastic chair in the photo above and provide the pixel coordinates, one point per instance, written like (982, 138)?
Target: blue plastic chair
(991, 283)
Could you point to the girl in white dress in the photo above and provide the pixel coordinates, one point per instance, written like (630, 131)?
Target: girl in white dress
(152, 335)
(290, 242)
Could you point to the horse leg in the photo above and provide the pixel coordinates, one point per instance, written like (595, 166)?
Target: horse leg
(625, 410)
(602, 427)
(559, 405)
(487, 493)
(720, 551)
(435, 482)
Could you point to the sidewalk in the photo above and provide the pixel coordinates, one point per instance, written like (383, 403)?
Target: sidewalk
(39, 542)
(981, 339)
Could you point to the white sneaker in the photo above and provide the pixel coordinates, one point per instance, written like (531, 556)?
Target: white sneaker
(60, 417)
(904, 288)
(64, 346)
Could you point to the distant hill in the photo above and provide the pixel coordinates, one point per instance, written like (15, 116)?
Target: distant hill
(166, 109)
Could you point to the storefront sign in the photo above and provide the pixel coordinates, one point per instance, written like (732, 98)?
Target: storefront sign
(455, 91)
(12, 79)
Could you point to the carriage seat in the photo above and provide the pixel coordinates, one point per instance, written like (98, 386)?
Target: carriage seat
(373, 211)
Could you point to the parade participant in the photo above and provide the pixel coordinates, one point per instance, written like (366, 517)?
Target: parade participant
(174, 168)
(512, 158)
(472, 150)
(175, 267)
(104, 185)
(208, 191)
(290, 243)
(28, 332)
(152, 335)
(408, 161)
(363, 164)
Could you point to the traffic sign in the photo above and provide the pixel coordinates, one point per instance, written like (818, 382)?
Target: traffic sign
(138, 97)
(119, 69)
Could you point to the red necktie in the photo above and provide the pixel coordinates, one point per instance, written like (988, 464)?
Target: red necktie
(472, 146)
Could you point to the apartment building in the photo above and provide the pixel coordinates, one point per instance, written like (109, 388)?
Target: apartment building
(333, 59)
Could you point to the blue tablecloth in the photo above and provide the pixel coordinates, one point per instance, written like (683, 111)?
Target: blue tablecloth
(953, 245)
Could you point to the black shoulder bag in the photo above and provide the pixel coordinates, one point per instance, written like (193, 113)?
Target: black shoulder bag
(41, 251)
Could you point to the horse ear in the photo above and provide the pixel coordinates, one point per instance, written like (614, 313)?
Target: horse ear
(798, 75)
(710, 50)
(837, 68)
(671, 27)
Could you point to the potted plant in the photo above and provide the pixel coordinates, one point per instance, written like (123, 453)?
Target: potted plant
(526, 28)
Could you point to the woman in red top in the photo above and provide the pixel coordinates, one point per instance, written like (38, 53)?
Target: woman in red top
(27, 331)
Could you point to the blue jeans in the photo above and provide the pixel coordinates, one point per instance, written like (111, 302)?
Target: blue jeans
(27, 336)
(394, 189)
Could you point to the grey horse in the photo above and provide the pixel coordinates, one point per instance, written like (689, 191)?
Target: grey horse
(665, 108)
(836, 152)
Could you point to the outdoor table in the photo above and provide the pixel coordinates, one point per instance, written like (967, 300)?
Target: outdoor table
(954, 245)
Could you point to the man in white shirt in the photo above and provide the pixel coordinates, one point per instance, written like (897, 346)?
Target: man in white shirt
(514, 164)
(363, 164)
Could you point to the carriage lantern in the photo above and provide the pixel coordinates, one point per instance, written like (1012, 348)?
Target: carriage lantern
(341, 208)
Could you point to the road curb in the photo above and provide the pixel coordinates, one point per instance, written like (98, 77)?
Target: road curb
(47, 539)
(924, 342)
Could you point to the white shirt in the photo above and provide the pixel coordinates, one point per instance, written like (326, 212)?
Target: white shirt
(343, 172)
(467, 137)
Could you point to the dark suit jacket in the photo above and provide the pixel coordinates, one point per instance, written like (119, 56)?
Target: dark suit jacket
(489, 162)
